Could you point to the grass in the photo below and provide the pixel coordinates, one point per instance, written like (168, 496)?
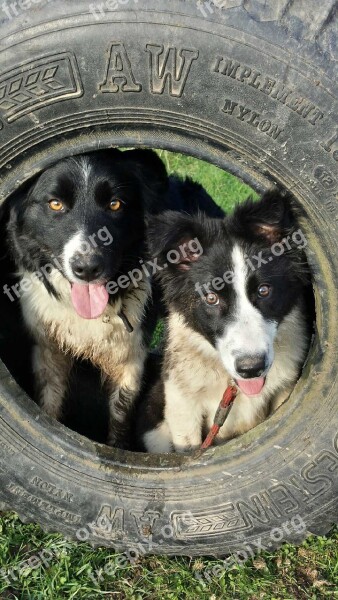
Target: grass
(225, 189)
(305, 572)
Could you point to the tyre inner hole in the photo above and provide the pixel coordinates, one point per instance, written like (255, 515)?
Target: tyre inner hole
(86, 403)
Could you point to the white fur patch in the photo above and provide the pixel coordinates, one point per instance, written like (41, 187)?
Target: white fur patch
(74, 246)
(159, 439)
(249, 333)
(105, 340)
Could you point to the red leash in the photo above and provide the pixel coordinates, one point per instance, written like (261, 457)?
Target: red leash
(220, 416)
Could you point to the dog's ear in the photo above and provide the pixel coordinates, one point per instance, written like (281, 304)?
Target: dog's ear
(269, 219)
(151, 173)
(176, 240)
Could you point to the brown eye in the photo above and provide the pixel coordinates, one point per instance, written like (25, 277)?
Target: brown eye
(115, 205)
(56, 205)
(264, 291)
(212, 299)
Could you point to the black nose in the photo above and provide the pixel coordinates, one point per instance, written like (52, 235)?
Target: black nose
(251, 366)
(87, 267)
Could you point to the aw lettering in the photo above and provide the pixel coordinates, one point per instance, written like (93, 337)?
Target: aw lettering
(169, 69)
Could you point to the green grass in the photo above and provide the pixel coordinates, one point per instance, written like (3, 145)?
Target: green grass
(305, 572)
(225, 189)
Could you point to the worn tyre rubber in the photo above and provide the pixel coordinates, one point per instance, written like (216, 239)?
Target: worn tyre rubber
(59, 95)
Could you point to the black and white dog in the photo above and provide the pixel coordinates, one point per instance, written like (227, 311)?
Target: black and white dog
(236, 314)
(77, 239)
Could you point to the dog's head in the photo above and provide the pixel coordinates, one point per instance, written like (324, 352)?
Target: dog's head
(234, 280)
(85, 217)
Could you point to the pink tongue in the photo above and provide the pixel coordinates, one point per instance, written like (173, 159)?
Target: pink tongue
(251, 387)
(89, 300)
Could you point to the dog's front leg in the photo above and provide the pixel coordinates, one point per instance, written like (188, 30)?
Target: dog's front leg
(123, 390)
(121, 402)
(51, 368)
(183, 416)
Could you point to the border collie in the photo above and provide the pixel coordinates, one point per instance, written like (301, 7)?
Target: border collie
(236, 315)
(77, 238)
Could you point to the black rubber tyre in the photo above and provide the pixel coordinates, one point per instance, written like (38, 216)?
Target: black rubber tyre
(191, 77)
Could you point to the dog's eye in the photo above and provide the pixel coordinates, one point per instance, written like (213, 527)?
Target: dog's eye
(212, 299)
(56, 205)
(115, 205)
(264, 291)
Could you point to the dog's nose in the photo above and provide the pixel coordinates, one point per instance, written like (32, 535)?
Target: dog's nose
(251, 366)
(87, 268)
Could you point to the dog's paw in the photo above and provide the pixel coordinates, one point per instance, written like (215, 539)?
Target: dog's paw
(186, 448)
(117, 441)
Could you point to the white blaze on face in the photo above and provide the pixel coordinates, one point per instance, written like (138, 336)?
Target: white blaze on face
(76, 245)
(89, 299)
(85, 167)
(249, 333)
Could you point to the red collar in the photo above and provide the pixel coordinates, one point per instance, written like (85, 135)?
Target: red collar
(220, 416)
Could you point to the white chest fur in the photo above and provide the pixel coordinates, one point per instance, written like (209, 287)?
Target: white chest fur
(197, 380)
(95, 339)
